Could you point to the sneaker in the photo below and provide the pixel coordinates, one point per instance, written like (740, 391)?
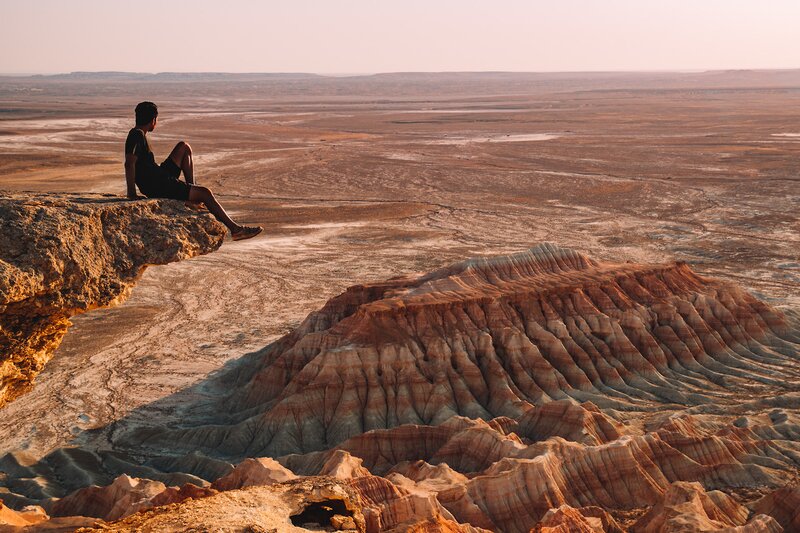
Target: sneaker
(246, 232)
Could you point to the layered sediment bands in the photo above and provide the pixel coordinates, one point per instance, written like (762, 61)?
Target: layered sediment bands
(783, 505)
(630, 473)
(64, 255)
(388, 507)
(541, 390)
(566, 519)
(687, 507)
(502, 337)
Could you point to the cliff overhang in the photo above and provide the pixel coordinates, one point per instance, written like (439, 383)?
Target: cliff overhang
(63, 254)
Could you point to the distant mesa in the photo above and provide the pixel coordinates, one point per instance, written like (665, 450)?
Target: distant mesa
(61, 255)
(546, 338)
(118, 76)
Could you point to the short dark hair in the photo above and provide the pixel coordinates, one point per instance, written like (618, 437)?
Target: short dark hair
(145, 112)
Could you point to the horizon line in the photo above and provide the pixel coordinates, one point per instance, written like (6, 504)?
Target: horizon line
(358, 74)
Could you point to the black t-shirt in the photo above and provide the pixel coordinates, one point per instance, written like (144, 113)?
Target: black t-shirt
(138, 145)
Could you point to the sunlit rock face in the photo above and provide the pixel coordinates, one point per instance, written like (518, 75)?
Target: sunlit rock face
(61, 255)
(687, 507)
(548, 339)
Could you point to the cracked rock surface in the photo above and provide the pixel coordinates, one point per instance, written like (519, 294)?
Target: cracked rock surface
(61, 255)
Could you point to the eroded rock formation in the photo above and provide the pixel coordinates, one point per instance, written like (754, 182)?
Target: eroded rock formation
(783, 505)
(301, 505)
(686, 507)
(250, 472)
(566, 519)
(64, 255)
(24, 518)
(541, 390)
(502, 337)
(123, 497)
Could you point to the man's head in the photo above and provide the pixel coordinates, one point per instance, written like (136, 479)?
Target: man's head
(146, 112)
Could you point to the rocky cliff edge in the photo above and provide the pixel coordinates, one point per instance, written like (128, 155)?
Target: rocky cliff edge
(61, 255)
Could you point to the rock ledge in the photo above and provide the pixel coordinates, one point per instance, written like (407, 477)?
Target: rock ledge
(61, 255)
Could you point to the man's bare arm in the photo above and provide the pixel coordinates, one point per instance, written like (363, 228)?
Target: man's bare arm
(130, 175)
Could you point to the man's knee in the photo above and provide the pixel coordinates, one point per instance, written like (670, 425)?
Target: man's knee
(198, 193)
(184, 147)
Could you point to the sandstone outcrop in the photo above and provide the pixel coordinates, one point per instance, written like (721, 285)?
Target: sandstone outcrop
(783, 505)
(342, 465)
(624, 475)
(388, 507)
(686, 508)
(26, 517)
(123, 497)
(316, 504)
(566, 519)
(180, 494)
(250, 472)
(64, 255)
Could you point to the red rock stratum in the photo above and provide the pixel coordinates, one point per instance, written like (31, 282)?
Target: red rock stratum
(504, 337)
(541, 391)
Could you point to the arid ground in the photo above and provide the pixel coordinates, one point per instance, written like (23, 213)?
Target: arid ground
(361, 179)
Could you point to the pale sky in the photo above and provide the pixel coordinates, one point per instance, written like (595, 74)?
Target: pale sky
(365, 36)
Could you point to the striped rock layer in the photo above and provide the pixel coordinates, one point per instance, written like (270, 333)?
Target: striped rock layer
(542, 391)
(503, 337)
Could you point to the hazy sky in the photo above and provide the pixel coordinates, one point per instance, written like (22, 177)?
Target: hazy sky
(359, 36)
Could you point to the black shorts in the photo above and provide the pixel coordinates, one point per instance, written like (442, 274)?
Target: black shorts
(163, 182)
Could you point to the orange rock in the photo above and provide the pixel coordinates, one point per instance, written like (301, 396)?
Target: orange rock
(391, 508)
(579, 423)
(261, 471)
(177, 495)
(61, 255)
(28, 516)
(123, 497)
(566, 519)
(783, 505)
(628, 473)
(686, 507)
(428, 477)
(466, 445)
(319, 502)
(342, 465)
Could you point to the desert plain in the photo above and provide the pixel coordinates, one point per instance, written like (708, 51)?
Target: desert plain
(360, 179)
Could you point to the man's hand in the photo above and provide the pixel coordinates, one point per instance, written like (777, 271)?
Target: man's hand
(130, 177)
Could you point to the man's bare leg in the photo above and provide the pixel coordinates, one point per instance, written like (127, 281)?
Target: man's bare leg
(181, 155)
(204, 195)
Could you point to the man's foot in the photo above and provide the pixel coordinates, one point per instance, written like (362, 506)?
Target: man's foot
(246, 232)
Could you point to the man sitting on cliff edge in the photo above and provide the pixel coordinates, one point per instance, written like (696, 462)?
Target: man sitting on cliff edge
(161, 181)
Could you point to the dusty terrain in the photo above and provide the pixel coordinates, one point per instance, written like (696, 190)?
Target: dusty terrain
(358, 180)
